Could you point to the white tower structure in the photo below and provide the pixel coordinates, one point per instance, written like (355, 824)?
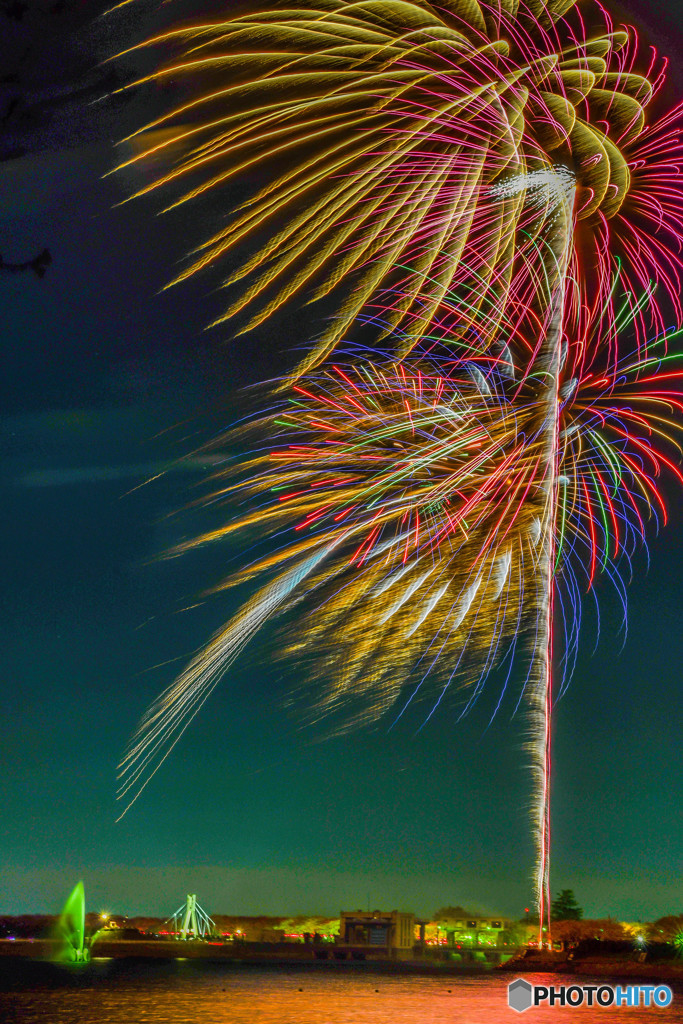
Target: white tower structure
(190, 921)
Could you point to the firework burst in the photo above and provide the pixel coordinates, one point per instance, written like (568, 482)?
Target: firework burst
(477, 172)
(403, 134)
(406, 504)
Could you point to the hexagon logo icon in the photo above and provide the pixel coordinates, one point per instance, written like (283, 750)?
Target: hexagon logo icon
(520, 995)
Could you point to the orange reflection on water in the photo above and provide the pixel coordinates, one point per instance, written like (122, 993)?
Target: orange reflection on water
(187, 992)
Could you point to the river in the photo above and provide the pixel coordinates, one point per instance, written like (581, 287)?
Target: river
(186, 992)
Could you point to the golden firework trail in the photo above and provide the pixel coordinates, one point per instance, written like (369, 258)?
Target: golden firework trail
(384, 127)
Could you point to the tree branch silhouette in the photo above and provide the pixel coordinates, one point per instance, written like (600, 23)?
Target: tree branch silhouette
(38, 264)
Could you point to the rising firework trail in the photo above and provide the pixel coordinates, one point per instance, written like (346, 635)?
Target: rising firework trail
(480, 172)
(557, 186)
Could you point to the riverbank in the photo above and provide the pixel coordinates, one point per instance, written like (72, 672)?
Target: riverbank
(600, 968)
(273, 954)
(596, 967)
(304, 956)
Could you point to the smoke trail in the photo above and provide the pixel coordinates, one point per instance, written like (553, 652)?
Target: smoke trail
(553, 190)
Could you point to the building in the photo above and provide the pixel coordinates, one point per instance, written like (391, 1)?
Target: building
(387, 930)
(477, 932)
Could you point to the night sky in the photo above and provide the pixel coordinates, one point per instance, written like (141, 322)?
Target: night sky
(105, 381)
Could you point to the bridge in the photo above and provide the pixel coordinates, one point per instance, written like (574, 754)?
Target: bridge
(190, 921)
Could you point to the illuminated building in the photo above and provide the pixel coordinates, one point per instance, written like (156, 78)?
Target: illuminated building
(380, 929)
(474, 933)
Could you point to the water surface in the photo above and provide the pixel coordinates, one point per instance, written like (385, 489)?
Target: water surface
(186, 992)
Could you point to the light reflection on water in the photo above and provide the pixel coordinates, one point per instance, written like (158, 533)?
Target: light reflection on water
(191, 993)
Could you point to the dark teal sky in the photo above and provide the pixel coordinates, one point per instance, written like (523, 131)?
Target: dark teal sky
(254, 813)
